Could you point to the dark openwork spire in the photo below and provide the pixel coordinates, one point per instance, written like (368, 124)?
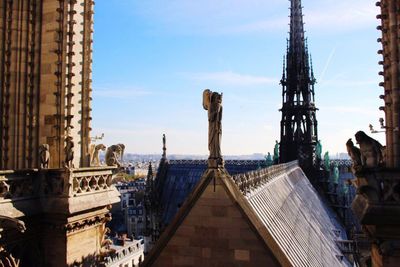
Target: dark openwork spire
(299, 124)
(296, 39)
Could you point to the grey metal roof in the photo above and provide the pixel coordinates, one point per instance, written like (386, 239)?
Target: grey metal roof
(298, 219)
(183, 175)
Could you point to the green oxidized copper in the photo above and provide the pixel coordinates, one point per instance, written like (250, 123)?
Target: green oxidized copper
(268, 160)
(335, 176)
(276, 152)
(318, 150)
(327, 161)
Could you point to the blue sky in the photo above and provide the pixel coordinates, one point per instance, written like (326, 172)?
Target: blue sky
(153, 59)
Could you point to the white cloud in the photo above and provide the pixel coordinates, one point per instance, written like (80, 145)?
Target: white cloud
(231, 78)
(331, 17)
(347, 16)
(253, 16)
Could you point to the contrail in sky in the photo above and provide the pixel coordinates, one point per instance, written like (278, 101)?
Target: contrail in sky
(328, 62)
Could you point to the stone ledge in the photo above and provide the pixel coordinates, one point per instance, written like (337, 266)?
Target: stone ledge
(71, 205)
(59, 191)
(371, 213)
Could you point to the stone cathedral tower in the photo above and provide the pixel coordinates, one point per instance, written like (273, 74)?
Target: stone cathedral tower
(52, 211)
(390, 51)
(45, 68)
(377, 204)
(299, 124)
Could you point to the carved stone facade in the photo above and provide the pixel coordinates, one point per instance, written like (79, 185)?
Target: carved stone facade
(389, 26)
(64, 211)
(377, 204)
(45, 70)
(45, 107)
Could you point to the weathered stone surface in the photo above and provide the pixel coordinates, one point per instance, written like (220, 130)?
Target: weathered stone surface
(378, 197)
(210, 234)
(47, 64)
(63, 213)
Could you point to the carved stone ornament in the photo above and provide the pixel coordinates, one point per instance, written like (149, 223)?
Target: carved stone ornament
(121, 154)
(7, 223)
(248, 182)
(212, 102)
(369, 156)
(370, 150)
(95, 155)
(69, 152)
(354, 154)
(44, 156)
(112, 155)
(164, 155)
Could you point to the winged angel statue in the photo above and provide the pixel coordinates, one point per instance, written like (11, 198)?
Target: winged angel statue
(212, 102)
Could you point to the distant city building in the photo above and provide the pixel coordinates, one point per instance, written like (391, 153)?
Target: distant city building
(129, 215)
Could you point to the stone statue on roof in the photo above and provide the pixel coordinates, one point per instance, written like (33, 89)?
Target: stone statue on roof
(121, 154)
(335, 176)
(112, 155)
(276, 152)
(318, 150)
(355, 155)
(69, 152)
(327, 162)
(370, 150)
(44, 156)
(212, 102)
(95, 155)
(268, 160)
(164, 139)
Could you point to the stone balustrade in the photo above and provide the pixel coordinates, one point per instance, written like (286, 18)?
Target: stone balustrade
(18, 185)
(54, 182)
(251, 180)
(131, 254)
(92, 181)
(341, 162)
(22, 192)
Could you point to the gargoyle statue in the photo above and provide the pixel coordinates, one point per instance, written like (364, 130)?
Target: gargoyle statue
(355, 154)
(112, 154)
(95, 155)
(121, 155)
(370, 150)
(69, 152)
(44, 156)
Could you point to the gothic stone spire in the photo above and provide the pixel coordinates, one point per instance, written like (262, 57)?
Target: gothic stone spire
(299, 124)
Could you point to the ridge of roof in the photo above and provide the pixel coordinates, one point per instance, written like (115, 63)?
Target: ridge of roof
(238, 198)
(281, 187)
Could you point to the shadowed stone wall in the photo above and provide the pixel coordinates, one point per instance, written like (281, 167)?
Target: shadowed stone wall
(45, 70)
